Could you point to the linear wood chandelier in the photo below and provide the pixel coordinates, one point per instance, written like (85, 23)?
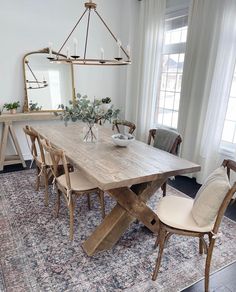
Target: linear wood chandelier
(123, 57)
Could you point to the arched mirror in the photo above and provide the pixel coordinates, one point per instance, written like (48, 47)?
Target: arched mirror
(47, 85)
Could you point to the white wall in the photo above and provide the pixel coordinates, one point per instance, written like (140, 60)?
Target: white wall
(27, 25)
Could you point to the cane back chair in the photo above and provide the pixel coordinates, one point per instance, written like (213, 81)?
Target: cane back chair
(211, 231)
(70, 184)
(42, 161)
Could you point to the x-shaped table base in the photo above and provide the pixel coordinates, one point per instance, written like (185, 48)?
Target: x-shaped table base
(131, 205)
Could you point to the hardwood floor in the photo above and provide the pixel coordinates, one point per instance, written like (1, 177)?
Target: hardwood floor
(221, 281)
(225, 279)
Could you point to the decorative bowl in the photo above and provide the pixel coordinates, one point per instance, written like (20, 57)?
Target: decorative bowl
(122, 140)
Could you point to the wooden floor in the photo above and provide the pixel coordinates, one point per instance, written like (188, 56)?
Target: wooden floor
(221, 281)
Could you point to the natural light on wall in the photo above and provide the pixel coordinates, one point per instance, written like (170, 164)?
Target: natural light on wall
(167, 108)
(229, 131)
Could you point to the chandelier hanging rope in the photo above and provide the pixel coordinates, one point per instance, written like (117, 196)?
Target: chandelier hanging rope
(76, 59)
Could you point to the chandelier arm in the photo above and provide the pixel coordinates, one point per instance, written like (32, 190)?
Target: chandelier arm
(87, 31)
(112, 34)
(72, 32)
(27, 64)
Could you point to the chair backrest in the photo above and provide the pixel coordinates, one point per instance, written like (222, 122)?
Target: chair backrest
(231, 166)
(125, 123)
(35, 143)
(57, 157)
(172, 148)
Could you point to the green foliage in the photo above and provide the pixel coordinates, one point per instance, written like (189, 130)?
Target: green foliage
(106, 100)
(87, 111)
(33, 106)
(13, 105)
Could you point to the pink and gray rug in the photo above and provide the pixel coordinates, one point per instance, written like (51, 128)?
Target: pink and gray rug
(36, 254)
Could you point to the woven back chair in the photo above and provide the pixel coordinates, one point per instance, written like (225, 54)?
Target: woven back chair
(166, 214)
(70, 184)
(117, 123)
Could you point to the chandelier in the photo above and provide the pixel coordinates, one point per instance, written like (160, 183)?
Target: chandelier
(122, 58)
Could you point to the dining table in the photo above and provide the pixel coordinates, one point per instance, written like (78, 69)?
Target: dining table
(131, 175)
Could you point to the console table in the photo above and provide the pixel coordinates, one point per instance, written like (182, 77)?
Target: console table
(8, 132)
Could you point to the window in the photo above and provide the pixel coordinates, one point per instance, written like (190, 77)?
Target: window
(167, 108)
(229, 130)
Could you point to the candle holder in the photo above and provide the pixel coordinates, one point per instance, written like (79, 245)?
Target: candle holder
(75, 57)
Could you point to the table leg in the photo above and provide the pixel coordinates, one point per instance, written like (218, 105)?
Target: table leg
(130, 206)
(5, 131)
(11, 159)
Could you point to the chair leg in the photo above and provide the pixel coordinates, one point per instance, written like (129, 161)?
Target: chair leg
(208, 263)
(89, 201)
(102, 202)
(37, 179)
(71, 210)
(46, 187)
(58, 205)
(163, 187)
(157, 241)
(162, 240)
(200, 246)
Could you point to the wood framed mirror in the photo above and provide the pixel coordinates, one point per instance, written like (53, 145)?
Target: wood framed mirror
(47, 84)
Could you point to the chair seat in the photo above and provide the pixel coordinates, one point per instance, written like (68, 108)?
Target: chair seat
(79, 182)
(176, 212)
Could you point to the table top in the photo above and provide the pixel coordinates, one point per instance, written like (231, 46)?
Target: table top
(110, 166)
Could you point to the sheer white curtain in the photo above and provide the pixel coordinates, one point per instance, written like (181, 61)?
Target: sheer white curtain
(144, 76)
(208, 71)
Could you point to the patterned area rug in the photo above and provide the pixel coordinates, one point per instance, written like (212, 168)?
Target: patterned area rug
(36, 254)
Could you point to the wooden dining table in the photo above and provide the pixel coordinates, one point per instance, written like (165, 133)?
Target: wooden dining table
(129, 174)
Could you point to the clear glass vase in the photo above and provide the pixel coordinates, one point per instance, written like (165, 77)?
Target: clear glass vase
(90, 133)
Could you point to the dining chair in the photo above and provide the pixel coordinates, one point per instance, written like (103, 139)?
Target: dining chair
(117, 123)
(167, 140)
(70, 184)
(42, 160)
(199, 218)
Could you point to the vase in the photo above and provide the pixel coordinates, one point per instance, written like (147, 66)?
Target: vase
(13, 111)
(90, 133)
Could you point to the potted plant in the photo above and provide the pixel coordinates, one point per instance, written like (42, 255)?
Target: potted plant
(12, 107)
(89, 112)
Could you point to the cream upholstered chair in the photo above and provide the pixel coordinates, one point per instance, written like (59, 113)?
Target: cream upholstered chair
(41, 159)
(197, 218)
(117, 123)
(171, 143)
(70, 184)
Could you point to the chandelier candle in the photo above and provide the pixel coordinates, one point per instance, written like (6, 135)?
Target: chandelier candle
(75, 42)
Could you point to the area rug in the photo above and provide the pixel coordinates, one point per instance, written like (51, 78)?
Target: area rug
(37, 255)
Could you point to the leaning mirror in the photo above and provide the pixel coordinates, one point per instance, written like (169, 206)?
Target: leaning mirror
(47, 85)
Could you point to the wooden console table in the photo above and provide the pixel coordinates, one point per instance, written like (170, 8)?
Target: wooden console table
(8, 132)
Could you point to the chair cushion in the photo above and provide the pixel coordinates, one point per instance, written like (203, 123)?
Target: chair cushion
(210, 197)
(176, 212)
(78, 180)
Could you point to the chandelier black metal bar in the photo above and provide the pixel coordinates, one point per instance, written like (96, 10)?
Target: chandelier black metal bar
(76, 59)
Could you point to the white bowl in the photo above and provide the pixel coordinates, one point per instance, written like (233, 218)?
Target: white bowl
(122, 140)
